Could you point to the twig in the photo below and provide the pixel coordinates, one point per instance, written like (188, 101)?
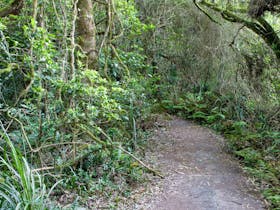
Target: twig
(120, 60)
(23, 131)
(236, 35)
(204, 12)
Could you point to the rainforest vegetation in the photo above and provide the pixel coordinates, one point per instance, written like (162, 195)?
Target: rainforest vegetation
(81, 82)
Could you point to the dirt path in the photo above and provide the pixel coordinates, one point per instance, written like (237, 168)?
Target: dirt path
(199, 173)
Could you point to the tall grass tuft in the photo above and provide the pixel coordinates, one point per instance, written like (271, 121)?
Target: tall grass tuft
(20, 188)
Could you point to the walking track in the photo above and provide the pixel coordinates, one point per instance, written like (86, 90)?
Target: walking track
(199, 173)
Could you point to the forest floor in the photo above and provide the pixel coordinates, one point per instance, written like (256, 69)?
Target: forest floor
(199, 172)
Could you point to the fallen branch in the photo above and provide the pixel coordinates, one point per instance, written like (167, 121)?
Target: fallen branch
(142, 163)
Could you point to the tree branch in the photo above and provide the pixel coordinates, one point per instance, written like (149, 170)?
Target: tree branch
(260, 26)
(13, 9)
(204, 12)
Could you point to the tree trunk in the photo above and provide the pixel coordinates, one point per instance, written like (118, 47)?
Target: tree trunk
(87, 32)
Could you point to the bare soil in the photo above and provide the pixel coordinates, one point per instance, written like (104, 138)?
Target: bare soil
(199, 173)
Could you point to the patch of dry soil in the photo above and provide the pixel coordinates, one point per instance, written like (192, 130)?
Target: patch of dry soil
(199, 174)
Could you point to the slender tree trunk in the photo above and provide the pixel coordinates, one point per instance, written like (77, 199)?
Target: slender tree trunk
(87, 32)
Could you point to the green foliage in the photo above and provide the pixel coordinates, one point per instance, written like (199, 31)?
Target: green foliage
(128, 16)
(60, 114)
(50, 102)
(194, 106)
(20, 187)
(250, 156)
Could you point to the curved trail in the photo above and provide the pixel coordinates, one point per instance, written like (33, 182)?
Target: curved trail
(199, 173)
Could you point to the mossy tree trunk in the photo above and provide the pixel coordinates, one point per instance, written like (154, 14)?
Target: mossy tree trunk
(87, 32)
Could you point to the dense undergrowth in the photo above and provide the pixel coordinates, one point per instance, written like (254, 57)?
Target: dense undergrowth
(73, 130)
(75, 126)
